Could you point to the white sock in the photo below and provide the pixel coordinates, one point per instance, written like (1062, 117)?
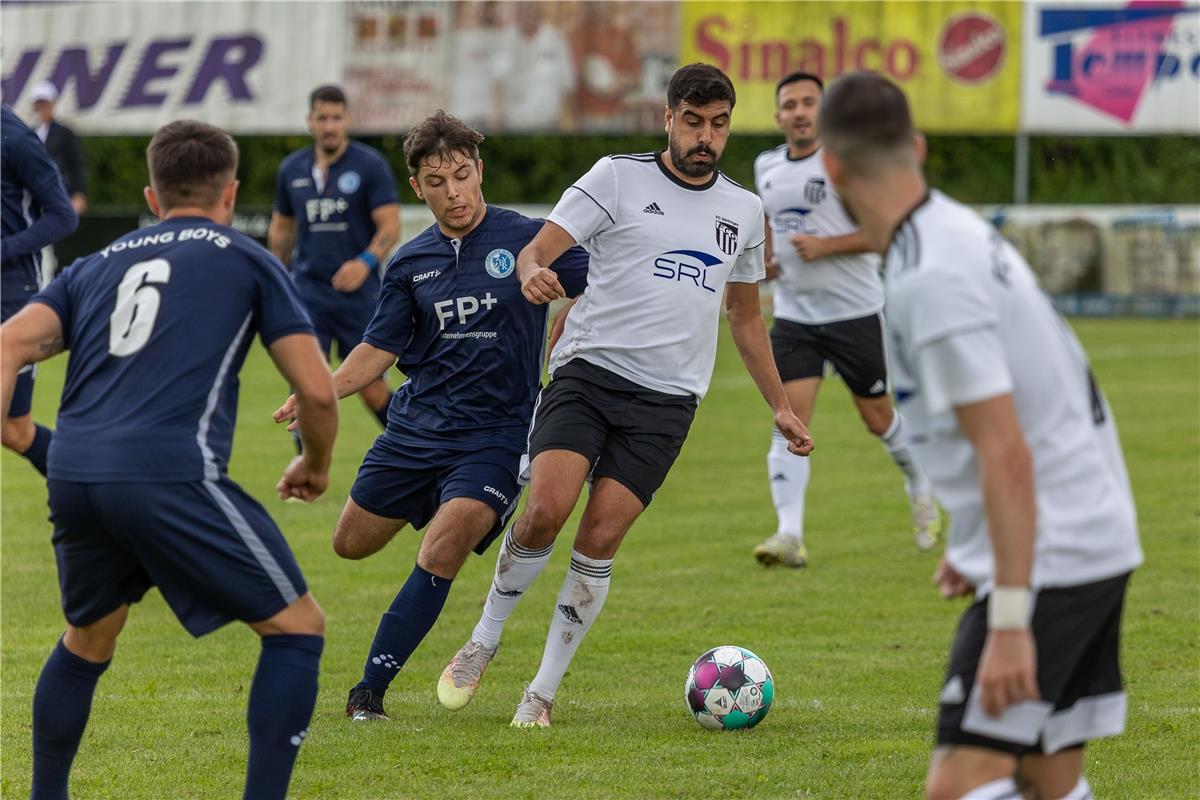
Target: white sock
(1081, 791)
(895, 441)
(1003, 789)
(789, 482)
(516, 569)
(579, 603)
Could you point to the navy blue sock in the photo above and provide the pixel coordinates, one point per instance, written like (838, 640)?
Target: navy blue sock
(281, 704)
(40, 449)
(381, 415)
(61, 704)
(402, 628)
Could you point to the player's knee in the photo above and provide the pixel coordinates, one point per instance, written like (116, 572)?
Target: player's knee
(17, 433)
(541, 523)
(877, 419)
(941, 785)
(346, 545)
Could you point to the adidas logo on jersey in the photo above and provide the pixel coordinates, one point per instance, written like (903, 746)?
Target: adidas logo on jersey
(653, 209)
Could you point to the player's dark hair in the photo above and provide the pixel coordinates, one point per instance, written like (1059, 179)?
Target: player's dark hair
(699, 84)
(863, 116)
(440, 135)
(796, 77)
(326, 93)
(190, 163)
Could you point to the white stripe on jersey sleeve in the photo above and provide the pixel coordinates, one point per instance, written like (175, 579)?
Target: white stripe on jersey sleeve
(588, 206)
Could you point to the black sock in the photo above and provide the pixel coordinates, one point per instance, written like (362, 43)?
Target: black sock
(39, 449)
(61, 705)
(281, 703)
(402, 628)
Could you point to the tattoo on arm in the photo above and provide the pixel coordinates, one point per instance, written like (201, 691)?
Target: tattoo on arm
(51, 347)
(382, 243)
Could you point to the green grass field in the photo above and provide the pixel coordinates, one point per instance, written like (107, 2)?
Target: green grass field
(856, 642)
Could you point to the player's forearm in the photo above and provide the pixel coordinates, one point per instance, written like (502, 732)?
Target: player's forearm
(847, 245)
(31, 336)
(549, 243)
(281, 239)
(754, 346)
(317, 423)
(365, 364)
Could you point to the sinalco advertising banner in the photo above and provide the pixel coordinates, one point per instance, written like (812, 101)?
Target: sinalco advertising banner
(129, 67)
(959, 62)
(1102, 67)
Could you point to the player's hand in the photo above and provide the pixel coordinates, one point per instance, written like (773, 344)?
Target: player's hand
(351, 275)
(302, 482)
(772, 267)
(800, 443)
(540, 285)
(950, 584)
(809, 247)
(287, 413)
(1007, 670)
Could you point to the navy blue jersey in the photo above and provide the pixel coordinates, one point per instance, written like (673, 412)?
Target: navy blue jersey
(30, 187)
(468, 341)
(333, 218)
(158, 324)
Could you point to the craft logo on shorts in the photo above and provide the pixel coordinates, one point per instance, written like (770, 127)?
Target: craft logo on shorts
(499, 263)
(727, 236)
(348, 182)
(971, 47)
(814, 191)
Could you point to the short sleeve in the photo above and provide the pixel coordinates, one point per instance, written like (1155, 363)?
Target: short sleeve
(391, 328)
(588, 206)
(961, 369)
(572, 270)
(942, 302)
(381, 186)
(280, 311)
(749, 266)
(283, 197)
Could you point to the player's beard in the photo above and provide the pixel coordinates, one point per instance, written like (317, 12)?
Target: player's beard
(690, 168)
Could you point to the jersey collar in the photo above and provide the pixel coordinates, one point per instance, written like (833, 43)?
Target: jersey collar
(675, 179)
(908, 216)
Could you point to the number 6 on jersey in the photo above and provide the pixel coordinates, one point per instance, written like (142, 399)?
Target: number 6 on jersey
(132, 320)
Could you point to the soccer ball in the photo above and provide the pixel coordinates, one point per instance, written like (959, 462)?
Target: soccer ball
(729, 688)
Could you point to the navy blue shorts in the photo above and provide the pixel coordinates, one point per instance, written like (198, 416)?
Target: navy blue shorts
(411, 482)
(22, 399)
(209, 547)
(337, 318)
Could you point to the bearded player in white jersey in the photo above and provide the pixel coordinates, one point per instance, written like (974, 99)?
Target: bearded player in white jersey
(669, 234)
(1022, 452)
(828, 297)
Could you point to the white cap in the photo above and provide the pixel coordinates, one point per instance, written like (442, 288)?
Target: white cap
(45, 90)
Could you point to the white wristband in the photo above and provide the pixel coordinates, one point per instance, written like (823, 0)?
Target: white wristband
(1010, 607)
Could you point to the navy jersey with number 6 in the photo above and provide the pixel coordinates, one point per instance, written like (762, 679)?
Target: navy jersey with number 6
(158, 324)
(468, 341)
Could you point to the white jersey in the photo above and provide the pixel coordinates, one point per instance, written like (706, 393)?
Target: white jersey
(798, 198)
(966, 322)
(662, 251)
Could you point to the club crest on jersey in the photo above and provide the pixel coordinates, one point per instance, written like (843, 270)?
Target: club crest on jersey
(348, 182)
(499, 263)
(727, 236)
(814, 190)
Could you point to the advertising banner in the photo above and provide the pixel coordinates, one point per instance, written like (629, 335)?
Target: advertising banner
(517, 67)
(129, 67)
(1103, 67)
(959, 62)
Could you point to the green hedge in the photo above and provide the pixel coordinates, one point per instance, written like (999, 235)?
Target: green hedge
(535, 169)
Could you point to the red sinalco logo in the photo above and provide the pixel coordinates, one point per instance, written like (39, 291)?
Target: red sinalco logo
(971, 47)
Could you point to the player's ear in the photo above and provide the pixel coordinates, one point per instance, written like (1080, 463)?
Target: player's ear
(416, 187)
(229, 195)
(479, 167)
(667, 117)
(152, 201)
(920, 146)
(833, 166)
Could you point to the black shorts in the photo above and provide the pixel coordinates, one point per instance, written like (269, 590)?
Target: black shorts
(629, 433)
(853, 346)
(1077, 632)
(209, 547)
